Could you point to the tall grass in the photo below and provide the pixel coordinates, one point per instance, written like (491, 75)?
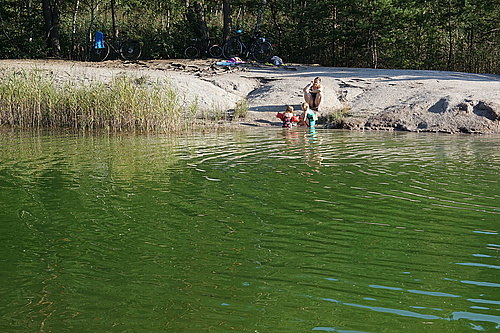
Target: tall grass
(33, 99)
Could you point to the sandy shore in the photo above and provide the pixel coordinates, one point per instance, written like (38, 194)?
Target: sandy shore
(431, 101)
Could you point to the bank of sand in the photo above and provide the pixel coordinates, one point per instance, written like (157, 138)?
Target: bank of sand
(378, 99)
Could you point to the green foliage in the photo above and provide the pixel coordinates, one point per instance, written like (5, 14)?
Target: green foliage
(416, 34)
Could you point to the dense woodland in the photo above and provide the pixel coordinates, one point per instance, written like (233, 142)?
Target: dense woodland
(458, 35)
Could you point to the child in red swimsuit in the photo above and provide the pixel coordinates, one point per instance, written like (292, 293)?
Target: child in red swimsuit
(287, 117)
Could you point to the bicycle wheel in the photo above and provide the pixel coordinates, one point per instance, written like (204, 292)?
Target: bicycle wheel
(130, 50)
(232, 48)
(99, 54)
(191, 52)
(262, 51)
(215, 51)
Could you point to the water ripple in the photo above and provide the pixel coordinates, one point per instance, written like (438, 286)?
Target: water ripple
(253, 230)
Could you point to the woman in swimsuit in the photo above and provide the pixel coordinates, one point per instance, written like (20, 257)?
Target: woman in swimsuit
(313, 93)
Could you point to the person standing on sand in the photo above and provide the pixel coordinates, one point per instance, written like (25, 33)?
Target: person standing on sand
(313, 93)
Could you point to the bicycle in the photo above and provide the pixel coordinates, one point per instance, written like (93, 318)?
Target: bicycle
(198, 49)
(257, 46)
(125, 49)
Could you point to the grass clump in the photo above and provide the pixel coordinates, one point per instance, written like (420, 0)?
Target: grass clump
(33, 99)
(335, 118)
(241, 109)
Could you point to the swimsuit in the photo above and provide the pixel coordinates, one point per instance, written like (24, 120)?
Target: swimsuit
(287, 122)
(310, 116)
(313, 95)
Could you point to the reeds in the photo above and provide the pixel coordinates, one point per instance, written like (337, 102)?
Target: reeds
(33, 99)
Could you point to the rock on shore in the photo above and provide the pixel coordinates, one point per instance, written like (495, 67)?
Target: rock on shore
(378, 99)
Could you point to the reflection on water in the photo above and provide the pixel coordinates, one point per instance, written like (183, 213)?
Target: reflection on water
(255, 231)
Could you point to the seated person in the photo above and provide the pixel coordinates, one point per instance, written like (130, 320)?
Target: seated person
(287, 117)
(313, 93)
(308, 117)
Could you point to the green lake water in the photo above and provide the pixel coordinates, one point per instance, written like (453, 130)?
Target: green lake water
(264, 230)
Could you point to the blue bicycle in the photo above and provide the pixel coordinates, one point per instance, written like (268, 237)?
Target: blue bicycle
(125, 49)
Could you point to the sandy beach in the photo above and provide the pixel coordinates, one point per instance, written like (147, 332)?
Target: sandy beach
(378, 99)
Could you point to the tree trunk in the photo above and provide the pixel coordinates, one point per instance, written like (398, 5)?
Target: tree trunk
(373, 49)
(372, 39)
(277, 25)
(202, 23)
(52, 25)
(228, 21)
(3, 28)
(47, 15)
(31, 21)
(113, 18)
(334, 35)
(195, 15)
(56, 23)
(259, 17)
(93, 9)
(73, 30)
(450, 38)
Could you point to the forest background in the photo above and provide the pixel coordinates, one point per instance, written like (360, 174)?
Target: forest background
(454, 35)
